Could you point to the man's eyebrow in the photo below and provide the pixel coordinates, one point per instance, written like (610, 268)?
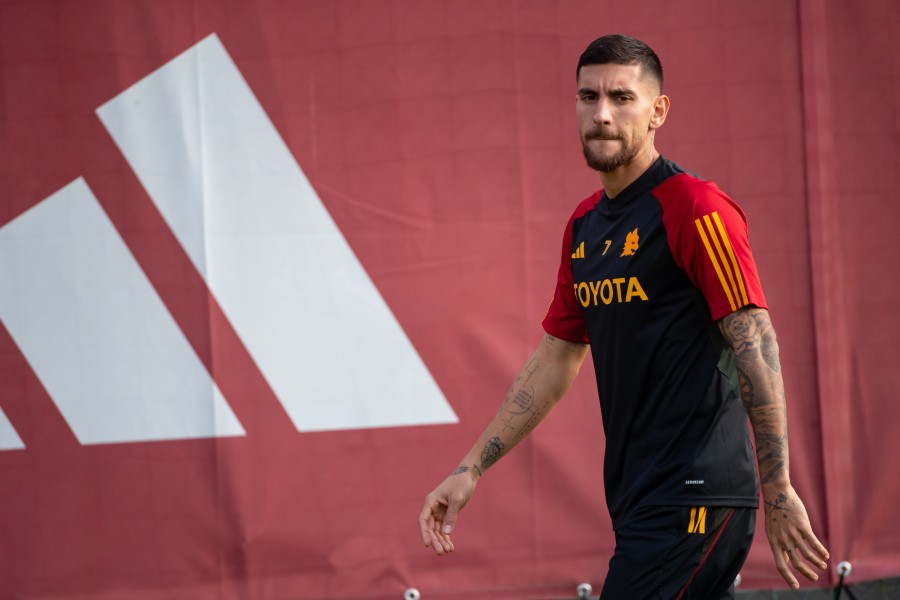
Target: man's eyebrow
(614, 92)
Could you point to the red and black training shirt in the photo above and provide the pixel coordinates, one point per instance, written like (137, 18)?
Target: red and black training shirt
(644, 277)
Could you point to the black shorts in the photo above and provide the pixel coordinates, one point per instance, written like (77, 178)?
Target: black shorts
(679, 552)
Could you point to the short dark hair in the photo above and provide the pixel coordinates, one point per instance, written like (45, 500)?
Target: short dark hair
(621, 50)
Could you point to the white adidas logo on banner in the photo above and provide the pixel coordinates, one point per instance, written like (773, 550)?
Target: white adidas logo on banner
(268, 250)
(95, 331)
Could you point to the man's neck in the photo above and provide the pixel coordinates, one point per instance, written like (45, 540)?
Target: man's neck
(616, 181)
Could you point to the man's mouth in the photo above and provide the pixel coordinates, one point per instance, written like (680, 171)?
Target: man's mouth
(602, 137)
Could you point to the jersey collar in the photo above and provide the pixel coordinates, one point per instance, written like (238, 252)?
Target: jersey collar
(648, 180)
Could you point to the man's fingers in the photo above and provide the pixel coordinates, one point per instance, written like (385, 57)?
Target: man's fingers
(435, 543)
(781, 563)
(440, 543)
(427, 510)
(430, 522)
(446, 542)
(450, 518)
(812, 555)
(430, 526)
(821, 551)
(449, 523)
(443, 538)
(801, 565)
(804, 544)
(434, 540)
(426, 521)
(425, 527)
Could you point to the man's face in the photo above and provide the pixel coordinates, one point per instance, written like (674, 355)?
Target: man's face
(618, 109)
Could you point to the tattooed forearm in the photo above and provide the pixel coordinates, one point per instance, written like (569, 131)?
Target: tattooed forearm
(526, 427)
(538, 386)
(520, 397)
(771, 453)
(528, 370)
(464, 469)
(523, 412)
(750, 333)
(491, 453)
(519, 401)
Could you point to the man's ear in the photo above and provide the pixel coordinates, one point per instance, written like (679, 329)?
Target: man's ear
(660, 110)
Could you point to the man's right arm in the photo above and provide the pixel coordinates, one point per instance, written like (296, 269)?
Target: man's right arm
(537, 388)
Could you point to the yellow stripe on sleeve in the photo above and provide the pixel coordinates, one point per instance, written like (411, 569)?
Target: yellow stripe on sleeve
(737, 268)
(714, 236)
(715, 263)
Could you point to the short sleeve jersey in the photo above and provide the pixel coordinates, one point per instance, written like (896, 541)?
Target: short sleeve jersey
(643, 278)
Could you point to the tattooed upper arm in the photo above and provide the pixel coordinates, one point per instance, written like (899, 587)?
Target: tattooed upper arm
(749, 331)
(570, 346)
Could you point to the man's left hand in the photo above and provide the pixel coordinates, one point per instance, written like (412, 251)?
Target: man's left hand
(791, 537)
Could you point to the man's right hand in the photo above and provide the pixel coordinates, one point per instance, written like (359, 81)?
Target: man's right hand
(537, 388)
(438, 517)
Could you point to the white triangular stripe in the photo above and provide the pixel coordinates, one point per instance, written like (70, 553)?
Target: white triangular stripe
(276, 262)
(9, 439)
(96, 332)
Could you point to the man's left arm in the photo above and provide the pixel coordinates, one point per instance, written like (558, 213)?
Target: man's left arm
(791, 538)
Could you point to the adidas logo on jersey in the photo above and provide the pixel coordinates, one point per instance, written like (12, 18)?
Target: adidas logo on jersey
(579, 252)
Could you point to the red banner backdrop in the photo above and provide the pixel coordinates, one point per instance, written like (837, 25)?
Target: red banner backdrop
(440, 137)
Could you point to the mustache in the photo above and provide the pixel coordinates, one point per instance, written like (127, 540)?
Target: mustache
(601, 133)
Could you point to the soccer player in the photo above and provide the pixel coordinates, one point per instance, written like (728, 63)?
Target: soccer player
(658, 278)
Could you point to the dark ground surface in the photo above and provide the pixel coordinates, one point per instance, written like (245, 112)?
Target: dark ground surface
(883, 589)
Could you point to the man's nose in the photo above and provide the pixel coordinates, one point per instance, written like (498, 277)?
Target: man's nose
(602, 113)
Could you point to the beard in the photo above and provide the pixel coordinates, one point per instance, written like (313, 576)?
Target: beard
(609, 163)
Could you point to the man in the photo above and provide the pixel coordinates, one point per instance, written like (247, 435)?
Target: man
(657, 276)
